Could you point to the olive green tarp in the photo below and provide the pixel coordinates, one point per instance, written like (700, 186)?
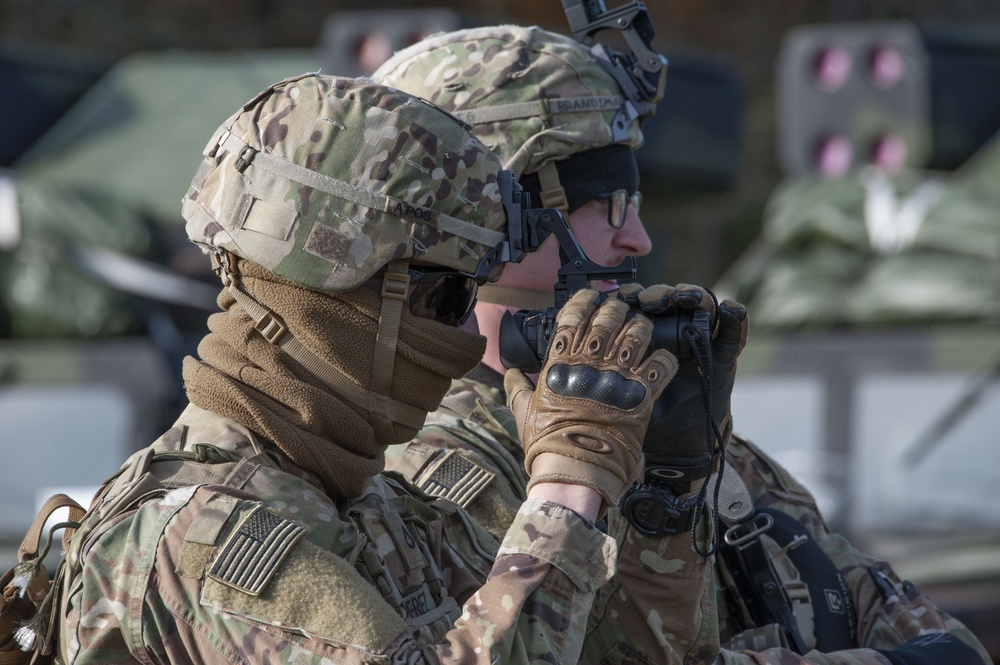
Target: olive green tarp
(104, 185)
(868, 250)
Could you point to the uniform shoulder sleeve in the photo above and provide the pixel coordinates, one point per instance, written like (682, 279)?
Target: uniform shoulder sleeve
(469, 452)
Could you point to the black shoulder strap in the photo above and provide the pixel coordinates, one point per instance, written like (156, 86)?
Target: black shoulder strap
(833, 608)
(756, 580)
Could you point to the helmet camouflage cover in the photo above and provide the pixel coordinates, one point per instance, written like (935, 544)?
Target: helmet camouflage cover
(533, 96)
(325, 180)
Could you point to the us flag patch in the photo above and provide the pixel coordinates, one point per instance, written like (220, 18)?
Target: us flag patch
(254, 551)
(456, 478)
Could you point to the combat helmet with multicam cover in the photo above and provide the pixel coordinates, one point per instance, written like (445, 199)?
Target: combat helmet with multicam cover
(325, 180)
(330, 182)
(534, 97)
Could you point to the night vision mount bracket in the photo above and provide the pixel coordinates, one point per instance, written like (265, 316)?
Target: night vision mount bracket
(528, 228)
(641, 74)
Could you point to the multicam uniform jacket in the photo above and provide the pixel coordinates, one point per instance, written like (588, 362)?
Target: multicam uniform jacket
(666, 604)
(211, 548)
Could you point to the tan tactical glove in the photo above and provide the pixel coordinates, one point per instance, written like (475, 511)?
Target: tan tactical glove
(584, 423)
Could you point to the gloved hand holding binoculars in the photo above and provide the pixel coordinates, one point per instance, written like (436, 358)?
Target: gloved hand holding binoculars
(691, 421)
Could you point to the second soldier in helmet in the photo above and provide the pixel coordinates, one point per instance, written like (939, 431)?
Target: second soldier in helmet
(555, 116)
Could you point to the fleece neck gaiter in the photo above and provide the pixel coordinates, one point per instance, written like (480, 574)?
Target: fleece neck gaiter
(242, 376)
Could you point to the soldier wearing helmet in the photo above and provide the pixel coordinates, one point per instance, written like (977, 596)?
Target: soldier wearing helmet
(559, 122)
(555, 114)
(351, 225)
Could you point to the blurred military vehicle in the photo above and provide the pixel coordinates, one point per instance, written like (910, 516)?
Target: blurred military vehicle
(874, 298)
(47, 81)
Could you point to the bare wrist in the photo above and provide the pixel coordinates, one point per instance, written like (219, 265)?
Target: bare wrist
(581, 499)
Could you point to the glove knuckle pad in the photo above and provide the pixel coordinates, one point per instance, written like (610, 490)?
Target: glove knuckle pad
(604, 386)
(604, 327)
(632, 343)
(627, 352)
(595, 344)
(659, 368)
(562, 342)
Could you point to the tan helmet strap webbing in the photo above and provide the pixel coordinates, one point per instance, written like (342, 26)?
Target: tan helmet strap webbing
(276, 332)
(510, 296)
(395, 288)
(553, 195)
(539, 108)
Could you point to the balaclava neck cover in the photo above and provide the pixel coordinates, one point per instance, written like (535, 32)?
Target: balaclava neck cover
(244, 377)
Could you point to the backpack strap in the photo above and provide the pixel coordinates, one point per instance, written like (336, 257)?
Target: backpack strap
(27, 589)
(32, 540)
(759, 585)
(767, 594)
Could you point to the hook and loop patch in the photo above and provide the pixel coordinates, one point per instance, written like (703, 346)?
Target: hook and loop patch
(255, 550)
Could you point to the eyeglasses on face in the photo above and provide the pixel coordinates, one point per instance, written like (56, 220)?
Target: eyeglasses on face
(618, 203)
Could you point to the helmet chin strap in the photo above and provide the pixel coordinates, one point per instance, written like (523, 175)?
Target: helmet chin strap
(385, 411)
(510, 296)
(395, 288)
(552, 195)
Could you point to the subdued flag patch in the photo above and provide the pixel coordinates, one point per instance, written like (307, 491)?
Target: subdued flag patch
(254, 551)
(456, 479)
